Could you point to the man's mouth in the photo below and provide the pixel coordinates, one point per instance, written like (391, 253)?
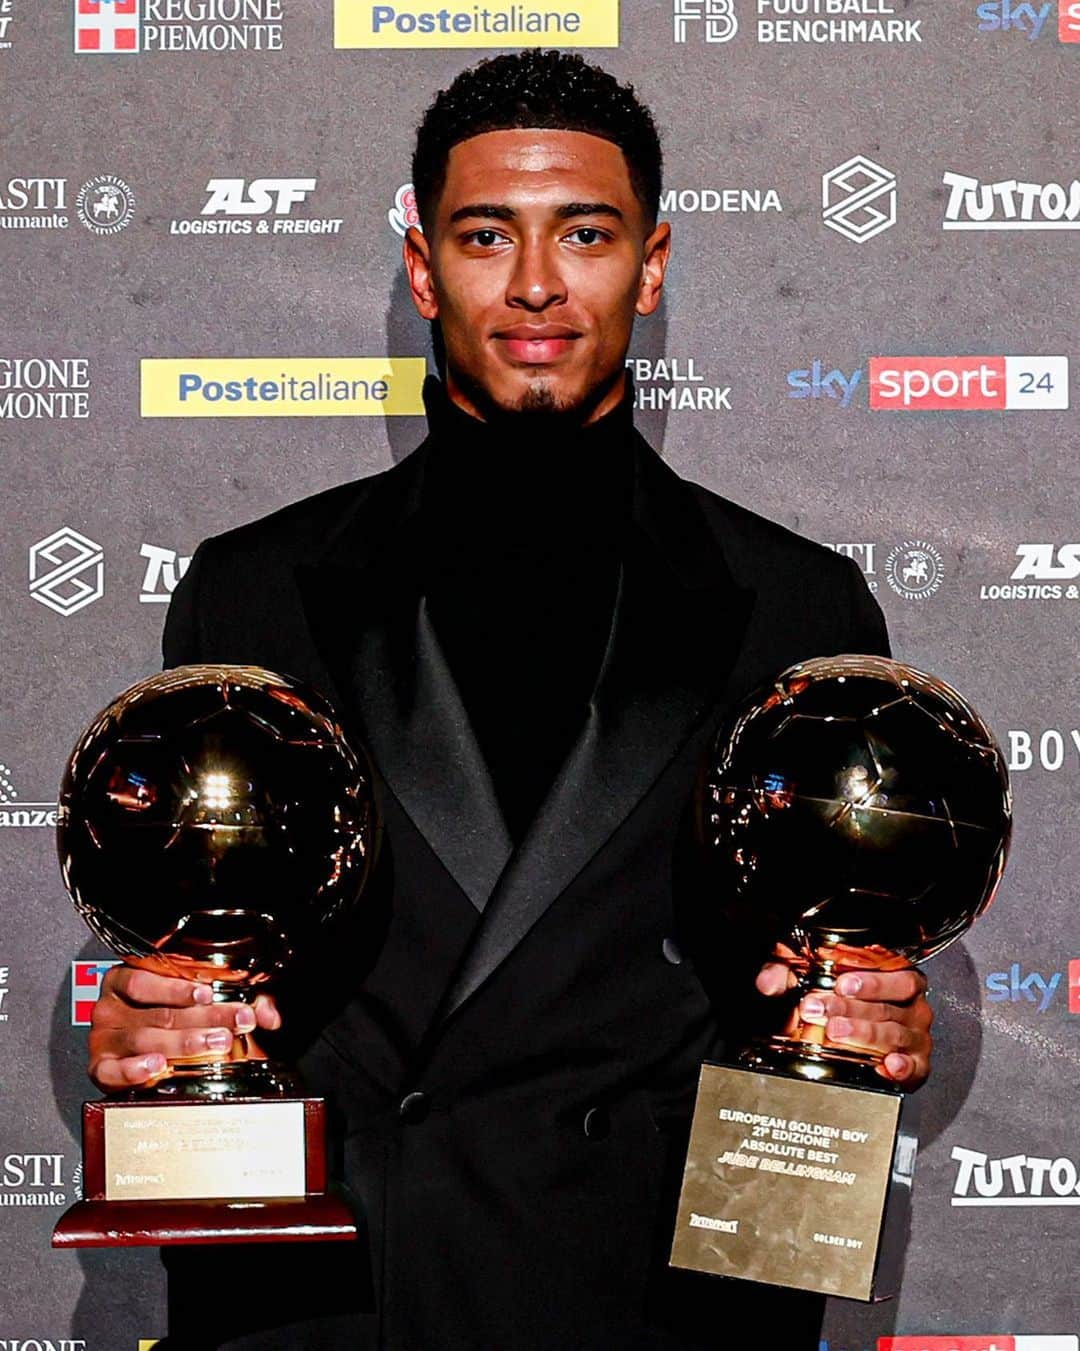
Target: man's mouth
(537, 346)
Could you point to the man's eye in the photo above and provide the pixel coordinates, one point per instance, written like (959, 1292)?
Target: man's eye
(598, 235)
(489, 237)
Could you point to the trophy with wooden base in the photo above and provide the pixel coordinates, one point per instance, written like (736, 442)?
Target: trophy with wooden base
(212, 820)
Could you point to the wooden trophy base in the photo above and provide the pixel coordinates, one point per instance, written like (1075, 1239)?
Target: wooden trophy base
(245, 1170)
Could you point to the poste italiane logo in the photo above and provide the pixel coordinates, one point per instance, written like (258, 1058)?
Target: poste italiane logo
(461, 23)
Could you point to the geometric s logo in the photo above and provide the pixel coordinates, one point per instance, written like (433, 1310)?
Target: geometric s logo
(858, 199)
(67, 571)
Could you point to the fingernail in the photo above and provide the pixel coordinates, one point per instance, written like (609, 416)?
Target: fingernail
(153, 1064)
(813, 1007)
(839, 1028)
(849, 984)
(218, 1038)
(899, 1065)
(202, 994)
(245, 1018)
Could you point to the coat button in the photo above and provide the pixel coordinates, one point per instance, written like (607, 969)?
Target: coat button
(413, 1108)
(597, 1123)
(671, 952)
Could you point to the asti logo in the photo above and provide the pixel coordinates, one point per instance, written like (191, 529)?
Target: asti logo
(1015, 986)
(1030, 19)
(715, 20)
(164, 568)
(1017, 1180)
(32, 1180)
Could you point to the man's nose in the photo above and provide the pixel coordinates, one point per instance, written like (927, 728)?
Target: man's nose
(537, 279)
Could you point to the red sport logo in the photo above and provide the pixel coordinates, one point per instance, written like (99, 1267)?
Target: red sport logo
(1074, 985)
(107, 26)
(1069, 20)
(996, 1342)
(939, 384)
(86, 978)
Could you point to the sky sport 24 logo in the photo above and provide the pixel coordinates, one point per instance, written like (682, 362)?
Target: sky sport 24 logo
(996, 1341)
(916, 384)
(1019, 16)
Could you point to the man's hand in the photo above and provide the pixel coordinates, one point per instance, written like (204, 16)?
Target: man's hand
(142, 1020)
(881, 1011)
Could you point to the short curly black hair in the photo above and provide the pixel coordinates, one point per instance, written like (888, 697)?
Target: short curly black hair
(534, 88)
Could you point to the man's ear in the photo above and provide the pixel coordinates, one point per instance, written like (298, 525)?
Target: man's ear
(416, 255)
(653, 266)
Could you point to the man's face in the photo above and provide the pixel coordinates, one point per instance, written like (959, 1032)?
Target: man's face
(538, 259)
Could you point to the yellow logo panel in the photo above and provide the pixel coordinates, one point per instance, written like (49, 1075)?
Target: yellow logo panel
(144, 1345)
(463, 23)
(282, 386)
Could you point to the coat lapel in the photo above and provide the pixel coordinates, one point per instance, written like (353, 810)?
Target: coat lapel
(676, 630)
(362, 598)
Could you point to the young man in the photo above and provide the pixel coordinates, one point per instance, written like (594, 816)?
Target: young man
(536, 627)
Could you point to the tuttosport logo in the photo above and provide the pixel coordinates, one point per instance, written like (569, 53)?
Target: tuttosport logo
(942, 384)
(1018, 16)
(1010, 204)
(1016, 986)
(1017, 1180)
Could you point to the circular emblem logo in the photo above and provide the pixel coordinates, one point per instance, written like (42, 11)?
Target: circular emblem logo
(105, 204)
(914, 569)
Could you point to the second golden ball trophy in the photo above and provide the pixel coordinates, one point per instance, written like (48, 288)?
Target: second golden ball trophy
(859, 811)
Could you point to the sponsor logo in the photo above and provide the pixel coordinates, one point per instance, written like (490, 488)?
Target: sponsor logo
(815, 382)
(43, 1344)
(1018, 1180)
(914, 569)
(715, 20)
(125, 27)
(4, 977)
(461, 23)
(105, 204)
(1050, 751)
(34, 204)
(727, 201)
(263, 207)
(6, 8)
(863, 555)
(1042, 572)
(998, 1341)
(1010, 204)
(86, 978)
(942, 384)
(826, 21)
(32, 1180)
(67, 571)
(23, 815)
(919, 384)
(858, 199)
(1015, 986)
(282, 387)
(697, 1221)
(675, 383)
(1017, 16)
(164, 568)
(34, 387)
(404, 213)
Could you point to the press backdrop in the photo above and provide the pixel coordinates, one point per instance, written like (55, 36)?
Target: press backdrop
(866, 335)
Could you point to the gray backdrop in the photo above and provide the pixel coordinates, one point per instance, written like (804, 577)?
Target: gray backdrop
(936, 504)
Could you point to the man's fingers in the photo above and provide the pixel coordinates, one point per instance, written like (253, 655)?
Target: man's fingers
(266, 1012)
(819, 1008)
(865, 1035)
(136, 986)
(112, 1073)
(892, 987)
(126, 1043)
(774, 978)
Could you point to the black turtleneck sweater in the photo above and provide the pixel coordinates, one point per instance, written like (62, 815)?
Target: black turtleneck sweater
(522, 538)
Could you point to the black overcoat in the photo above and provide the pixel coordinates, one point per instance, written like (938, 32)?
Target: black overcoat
(509, 1038)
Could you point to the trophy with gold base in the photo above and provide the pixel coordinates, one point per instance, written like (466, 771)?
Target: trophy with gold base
(859, 811)
(212, 820)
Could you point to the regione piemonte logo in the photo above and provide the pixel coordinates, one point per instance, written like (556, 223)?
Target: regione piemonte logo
(86, 978)
(107, 25)
(67, 571)
(858, 199)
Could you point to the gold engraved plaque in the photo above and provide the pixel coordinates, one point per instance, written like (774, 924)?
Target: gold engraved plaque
(786, 1181)
(191, 1152)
